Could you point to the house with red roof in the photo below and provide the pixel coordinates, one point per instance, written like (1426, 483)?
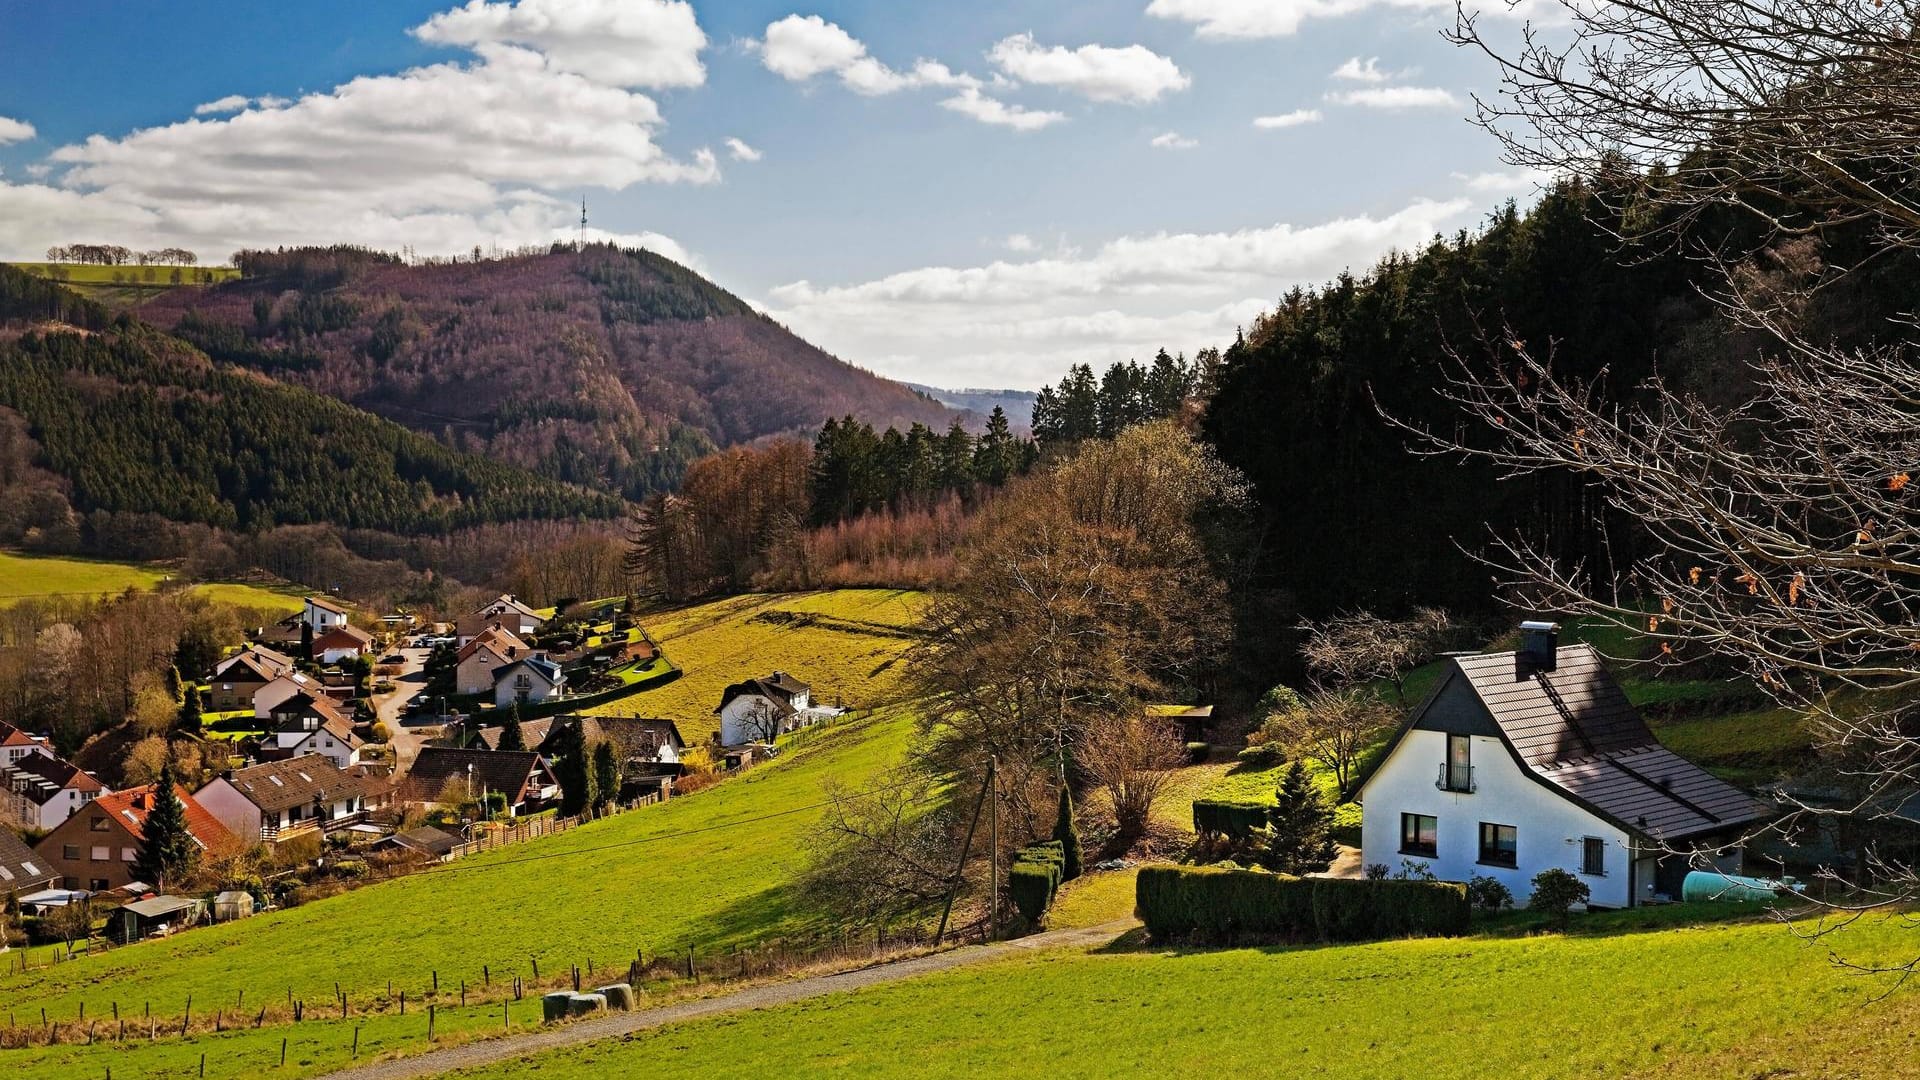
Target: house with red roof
(96, 848)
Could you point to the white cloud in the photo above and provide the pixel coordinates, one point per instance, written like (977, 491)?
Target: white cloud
(1364, 71)
(1287, 119)
(740, 151)
(1134, 75)
(1397, 97)
(13, 131)
(1021, 242)
(271, 102)
(653, 43)
(1020, 323)
(438, 157)
(990, 110)
(1249, 19)
(1173, 140)
(230, 103)
(800, 47)
(1520, 182)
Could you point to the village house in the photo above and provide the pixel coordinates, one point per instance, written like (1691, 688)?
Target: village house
(648, 750)
(278, 800)
(21, 870)
(529, 680)
(16, 744)
(41, 791)
(96, 848)
(239, 677)
(505, 612)
(1523, 761)
(522, 776)
(426, 841)
(759, 710)
(322, 614)
(488, 652)
(284, 688)
(342, 643)
(311, 723)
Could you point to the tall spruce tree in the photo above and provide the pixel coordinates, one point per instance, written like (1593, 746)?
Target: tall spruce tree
(189, 720)
(511, 737)
(606, 775)
(574, 769)
(167, 848)
(1065, 831)
(1302, 822)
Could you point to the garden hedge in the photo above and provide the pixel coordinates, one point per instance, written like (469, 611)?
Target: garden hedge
(1228, 818)
(1205, 903)
(1035, 877)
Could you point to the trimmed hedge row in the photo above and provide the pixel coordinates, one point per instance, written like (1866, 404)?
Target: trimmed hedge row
(1209, 903)
(1228, 817)
(1035, 877)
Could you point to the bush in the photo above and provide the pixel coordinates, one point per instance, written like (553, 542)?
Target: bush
(379, 733)
(1228, 818)
(1211, 904)
(1263, 755)
(1488, 894)
(1555, 892)
(1197, 752)
(1034, 879)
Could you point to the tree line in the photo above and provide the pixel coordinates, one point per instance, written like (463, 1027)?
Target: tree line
(116, 255)
(1129, 393)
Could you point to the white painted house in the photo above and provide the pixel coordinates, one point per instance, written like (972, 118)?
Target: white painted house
(528, 681)
(1521, 761)
(759, 710)
(322, 614)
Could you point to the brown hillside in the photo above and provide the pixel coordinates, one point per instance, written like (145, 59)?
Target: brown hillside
(605, 367)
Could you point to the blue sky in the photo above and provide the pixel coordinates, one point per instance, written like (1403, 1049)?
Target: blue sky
(972, 194)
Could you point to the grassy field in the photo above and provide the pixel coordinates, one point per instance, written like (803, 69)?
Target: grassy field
(847, 644)
(40, 576)
(130, 276)
(1745, 1000)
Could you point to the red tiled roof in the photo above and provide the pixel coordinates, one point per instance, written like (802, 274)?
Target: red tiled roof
(131, 807)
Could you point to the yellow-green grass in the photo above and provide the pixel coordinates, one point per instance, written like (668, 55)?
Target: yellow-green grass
(42, 577)
(1727, 1001)
(89, 274)
(1093, 898)
(848, 644)
(709, 871)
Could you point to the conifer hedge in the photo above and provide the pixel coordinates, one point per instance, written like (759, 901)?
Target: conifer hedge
(1213, 904)
(1228, 817)
(1036, 875)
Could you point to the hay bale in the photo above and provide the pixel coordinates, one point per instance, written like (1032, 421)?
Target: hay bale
(586, 1004)
(619, 996)
(554, 1006)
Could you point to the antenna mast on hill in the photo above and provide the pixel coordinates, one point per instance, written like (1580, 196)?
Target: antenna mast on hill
(582, 245)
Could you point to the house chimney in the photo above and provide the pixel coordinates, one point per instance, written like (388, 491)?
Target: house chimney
(1539, 649)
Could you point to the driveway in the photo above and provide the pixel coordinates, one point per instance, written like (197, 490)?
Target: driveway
(614, 1025)
(407, 685)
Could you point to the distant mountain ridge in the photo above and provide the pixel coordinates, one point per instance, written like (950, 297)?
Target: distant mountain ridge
(609, 368)
(1017, 404)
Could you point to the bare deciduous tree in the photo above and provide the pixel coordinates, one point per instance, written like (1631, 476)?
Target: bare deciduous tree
(886, 852)
(1348, 650)
(1129, 755)
(1331, 727)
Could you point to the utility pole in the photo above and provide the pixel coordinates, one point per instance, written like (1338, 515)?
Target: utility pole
(993, 849)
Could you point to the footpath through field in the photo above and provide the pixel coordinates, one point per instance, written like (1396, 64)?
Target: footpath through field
(614, 1025)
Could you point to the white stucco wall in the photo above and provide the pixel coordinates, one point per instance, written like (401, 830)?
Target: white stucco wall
(234, 810)
(1548, 828)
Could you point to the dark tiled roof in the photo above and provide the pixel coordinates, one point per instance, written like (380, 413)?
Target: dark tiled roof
(493, 770)
(779, 688)
(633, 737)
(20, 869)
(278, 785)
(40, 777)
(1574, 728)
(428, 839)
(326, 605)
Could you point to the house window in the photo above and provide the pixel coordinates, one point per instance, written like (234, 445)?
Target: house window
(128, 854)
(97, 823)
(1499, 844)
(98, 853)
(1457, 772)
(69, 851)
(1419, 835)
(1593, 856)
(98, 884)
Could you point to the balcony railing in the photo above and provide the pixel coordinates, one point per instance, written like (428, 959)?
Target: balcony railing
(1455, 778)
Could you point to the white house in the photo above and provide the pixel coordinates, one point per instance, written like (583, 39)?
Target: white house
(310, 723)
(529, 681)
(759, 710)
(39, 791)
(503, 611)
(16, 744)
(274, 694)
(277, 799)
(1522, 761)
(491, 650)
(322, 614)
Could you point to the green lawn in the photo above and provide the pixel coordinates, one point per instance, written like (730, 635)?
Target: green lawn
(704, 871)
(40, 576)
(846, 643)
(142, 276)
(1742, 1001)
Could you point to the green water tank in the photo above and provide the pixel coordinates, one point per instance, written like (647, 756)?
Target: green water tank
(1713, 885)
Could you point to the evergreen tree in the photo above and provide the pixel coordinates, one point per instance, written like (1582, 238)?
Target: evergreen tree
(306, 640)
(1065, 831)
(996, 457)
(606, 775)
(190, 711)
(167, 848)
(574, 769)
(175, 686)
(1302, 826)
(511, 737)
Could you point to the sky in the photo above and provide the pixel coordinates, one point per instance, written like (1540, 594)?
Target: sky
(963, 194)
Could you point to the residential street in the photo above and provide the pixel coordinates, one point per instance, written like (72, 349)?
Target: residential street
(614, 1025)
(413, 679)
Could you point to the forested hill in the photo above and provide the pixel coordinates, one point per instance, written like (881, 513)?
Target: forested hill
(604, 367)
(128, 419)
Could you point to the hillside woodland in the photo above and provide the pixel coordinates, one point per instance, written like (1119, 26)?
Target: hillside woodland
(610, 368)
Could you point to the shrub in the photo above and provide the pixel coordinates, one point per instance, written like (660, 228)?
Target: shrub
(1555, 892)
(1263, 755)
(1035, 876)
(1488, 894)
(1211, 904)
(379, 732)
(1197, 752)
(1066, 833)
(1228, 818)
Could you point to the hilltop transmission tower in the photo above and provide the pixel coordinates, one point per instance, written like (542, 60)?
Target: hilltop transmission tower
(582, 244)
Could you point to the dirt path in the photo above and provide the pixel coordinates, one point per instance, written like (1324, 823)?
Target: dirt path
(614, 1025)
